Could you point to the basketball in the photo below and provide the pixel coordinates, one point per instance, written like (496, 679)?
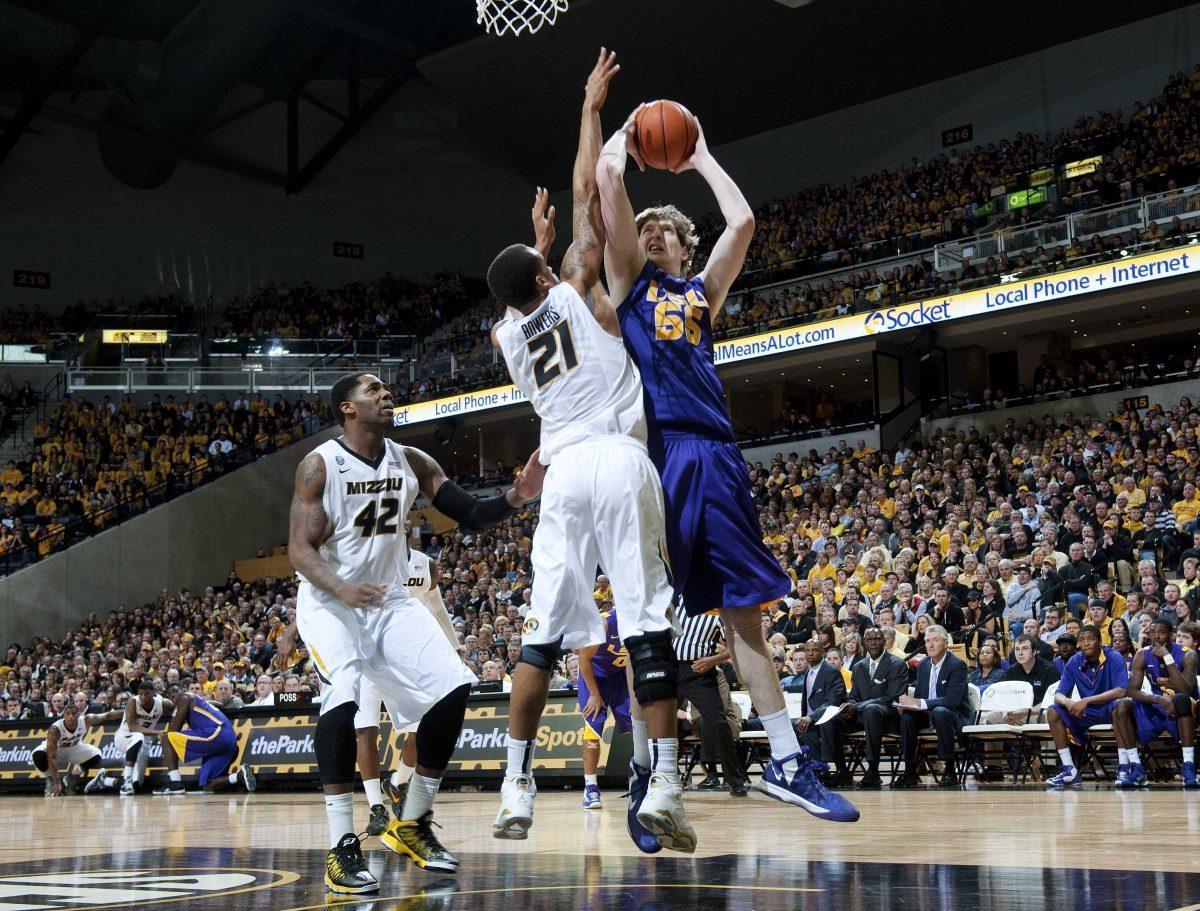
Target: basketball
(666, 134)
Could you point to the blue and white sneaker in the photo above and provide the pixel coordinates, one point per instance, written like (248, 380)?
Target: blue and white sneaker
(1068, 777)
(1137, 776)
(1187, 772)
(639, 783)
(804, 789)
(591, 797)
(1122, 780)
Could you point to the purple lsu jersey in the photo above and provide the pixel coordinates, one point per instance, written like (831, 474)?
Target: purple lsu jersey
(667, 328)
(1155, 670)
(611, 659)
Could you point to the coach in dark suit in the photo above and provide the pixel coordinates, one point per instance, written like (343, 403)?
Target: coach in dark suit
(878, 680)
(823, 685)
(942, 702)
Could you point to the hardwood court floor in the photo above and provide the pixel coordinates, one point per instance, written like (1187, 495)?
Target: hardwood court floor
(997, 848)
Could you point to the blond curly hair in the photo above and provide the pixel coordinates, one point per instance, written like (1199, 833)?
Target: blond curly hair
(685, 229)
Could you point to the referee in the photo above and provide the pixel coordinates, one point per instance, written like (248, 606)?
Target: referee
(700, 683)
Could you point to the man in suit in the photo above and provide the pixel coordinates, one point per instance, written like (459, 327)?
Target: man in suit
(941, 702)
(877, 682)
(823, 685)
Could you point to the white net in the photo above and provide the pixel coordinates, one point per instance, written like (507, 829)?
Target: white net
(517, 16)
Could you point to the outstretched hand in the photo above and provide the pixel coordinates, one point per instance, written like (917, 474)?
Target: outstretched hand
(543, 222)
(596, 90)
(700, 152)
(529, 480)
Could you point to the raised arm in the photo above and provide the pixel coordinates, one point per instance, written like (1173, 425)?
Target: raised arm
(729, 254)
(582, 261)
(307, 527)
(623, 254)
(465, 508)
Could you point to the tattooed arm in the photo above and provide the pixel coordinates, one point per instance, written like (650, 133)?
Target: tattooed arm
(307, 526)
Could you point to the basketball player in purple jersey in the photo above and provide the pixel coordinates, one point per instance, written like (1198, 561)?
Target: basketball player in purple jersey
(602, 687)
(714, 539)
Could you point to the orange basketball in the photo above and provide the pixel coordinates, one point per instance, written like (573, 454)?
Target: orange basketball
(666, 134)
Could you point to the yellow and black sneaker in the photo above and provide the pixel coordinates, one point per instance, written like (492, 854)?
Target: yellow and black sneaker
(346, 869)
(414, 839)
(378, 822)
(394, 793)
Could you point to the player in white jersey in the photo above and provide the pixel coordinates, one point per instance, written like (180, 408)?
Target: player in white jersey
(139, 729)
(64, 746)
(358, 618)
(602, 503)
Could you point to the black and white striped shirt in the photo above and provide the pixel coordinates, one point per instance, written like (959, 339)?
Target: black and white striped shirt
(701, 635)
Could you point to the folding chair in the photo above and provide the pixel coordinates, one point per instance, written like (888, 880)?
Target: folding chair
(1007, 696)
(927, 739)
(1035, 736)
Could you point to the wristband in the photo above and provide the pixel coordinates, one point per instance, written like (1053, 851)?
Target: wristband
(1168, 660)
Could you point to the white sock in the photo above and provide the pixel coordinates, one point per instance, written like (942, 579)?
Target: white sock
(1064, 756)
(174, 775)
(641, 743)
(339, 812)
(1189, 754)
(783, 738)
(129, 772)
(1122, 756)
(590, 779)
(402, 774)
(520, 757)
(1134, 758)
(233, 777)
(106, 782)
(421, 791)
(664, 753)
(374, 791)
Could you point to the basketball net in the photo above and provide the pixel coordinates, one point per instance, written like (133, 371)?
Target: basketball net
(517, 16)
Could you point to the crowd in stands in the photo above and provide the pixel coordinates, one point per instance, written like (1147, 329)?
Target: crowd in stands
(1039, 529)
(1089, 373)
(24, 325)
(90, 465)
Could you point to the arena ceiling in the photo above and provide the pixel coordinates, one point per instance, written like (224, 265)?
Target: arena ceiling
(154, 79)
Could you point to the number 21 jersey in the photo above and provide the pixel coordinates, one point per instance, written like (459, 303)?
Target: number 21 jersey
(366, 502)
(578, 378)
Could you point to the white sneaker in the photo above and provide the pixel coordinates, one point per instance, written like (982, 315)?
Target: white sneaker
(96, 785)
(127, 787)
(662, 813)
(516, 808)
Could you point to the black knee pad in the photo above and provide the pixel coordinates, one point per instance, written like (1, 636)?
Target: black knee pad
(542, 657)
(1182, 704)
(655, 667)
(336, 746)
(437, 734)
(41, 761)
(92, 763)
(131, 755)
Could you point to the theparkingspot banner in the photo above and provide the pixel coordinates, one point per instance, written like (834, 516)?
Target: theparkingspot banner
(1012, 296)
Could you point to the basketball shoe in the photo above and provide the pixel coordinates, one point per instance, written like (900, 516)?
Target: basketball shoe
(414, 839)
(516, 808)
(346, 869)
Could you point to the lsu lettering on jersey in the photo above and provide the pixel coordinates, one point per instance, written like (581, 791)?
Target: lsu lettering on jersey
(667, 327)
(611, 659)
(366, 503)
(578, 378)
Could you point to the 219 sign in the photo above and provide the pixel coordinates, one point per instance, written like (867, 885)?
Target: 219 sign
(24, 278)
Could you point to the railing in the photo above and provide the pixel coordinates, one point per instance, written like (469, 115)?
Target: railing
(201, 379)
(1102, 221)
(388, 347)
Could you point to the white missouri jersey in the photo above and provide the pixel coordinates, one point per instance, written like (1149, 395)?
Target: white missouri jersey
(67, 738)
(366, 503)
(147, 719)
(579, 378)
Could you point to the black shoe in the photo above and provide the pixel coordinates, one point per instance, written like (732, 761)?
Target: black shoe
(871, 781)
(843, 779)
(171, 787)
(346, 869)
(379, 820)
(905, 782)
(948, 780)
(394, 794)
(738, 788)
(711, 783)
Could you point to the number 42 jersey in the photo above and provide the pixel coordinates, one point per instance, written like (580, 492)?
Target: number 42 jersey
(579, 379)
(366, 502)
